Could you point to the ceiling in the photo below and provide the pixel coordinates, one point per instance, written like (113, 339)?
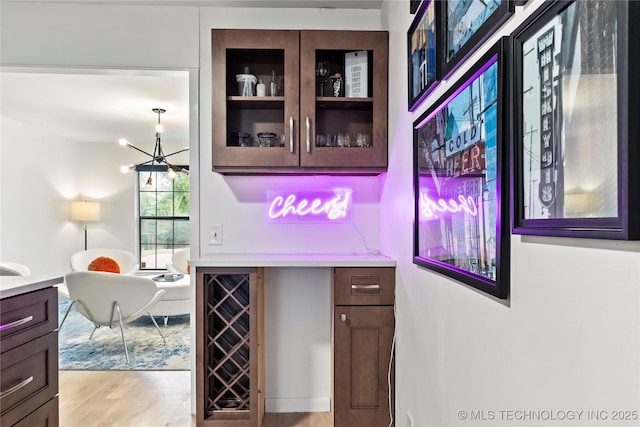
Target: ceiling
(101, 106)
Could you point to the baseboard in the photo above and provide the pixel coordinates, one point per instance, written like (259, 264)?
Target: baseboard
(299, 404)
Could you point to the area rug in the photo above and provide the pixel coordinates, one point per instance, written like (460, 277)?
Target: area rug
(105, 352)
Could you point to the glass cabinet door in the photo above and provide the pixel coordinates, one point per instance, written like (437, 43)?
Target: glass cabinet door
(343, 100)
(255, 93)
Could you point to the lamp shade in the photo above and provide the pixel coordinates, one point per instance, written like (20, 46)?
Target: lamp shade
(85, 211)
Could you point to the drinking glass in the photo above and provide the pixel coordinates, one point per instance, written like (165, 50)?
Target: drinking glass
(348, 140)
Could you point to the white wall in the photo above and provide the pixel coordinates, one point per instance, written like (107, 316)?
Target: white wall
(567, 339)
(36, 197)
(38, 174)
(98, 35)
(238, 203)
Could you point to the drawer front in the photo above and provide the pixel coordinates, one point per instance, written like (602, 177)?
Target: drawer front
(28, 377)
(364, 285)
(27, 316)
(45, 416)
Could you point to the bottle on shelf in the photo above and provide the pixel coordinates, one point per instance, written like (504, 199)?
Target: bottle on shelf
(273, 86)
(261, 89)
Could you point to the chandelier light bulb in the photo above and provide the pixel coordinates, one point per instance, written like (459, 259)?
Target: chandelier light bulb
(157, 158)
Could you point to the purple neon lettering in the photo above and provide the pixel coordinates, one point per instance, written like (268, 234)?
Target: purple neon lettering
(334, 208)
(430, 208)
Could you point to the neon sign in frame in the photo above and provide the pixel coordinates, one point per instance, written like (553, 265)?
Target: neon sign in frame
(309, 206)
(461, 226)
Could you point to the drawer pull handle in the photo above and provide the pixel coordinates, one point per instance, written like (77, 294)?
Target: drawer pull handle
(16, 387)
(16, 323)
(365, 289)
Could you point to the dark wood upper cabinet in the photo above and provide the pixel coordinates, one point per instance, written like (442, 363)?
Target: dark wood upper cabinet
(304, 115)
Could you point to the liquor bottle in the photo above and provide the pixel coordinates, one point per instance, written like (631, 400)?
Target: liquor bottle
(273, 86)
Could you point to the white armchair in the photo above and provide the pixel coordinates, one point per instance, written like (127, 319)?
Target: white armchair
(13, 269)
(126, 260)
(178, 264)
(107, 299)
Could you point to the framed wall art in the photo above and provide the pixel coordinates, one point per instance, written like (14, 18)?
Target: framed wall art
(576, 154)
(414, 5)
(461, 225)
(421, 53)
(464, 25)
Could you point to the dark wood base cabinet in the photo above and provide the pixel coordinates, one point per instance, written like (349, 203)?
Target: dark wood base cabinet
(230, 346)
(29, 359)
(364, 322)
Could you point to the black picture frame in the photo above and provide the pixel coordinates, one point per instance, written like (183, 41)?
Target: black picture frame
(464, 25)
(576, 157)
(422, 53)
(461, 178)
(413, 6)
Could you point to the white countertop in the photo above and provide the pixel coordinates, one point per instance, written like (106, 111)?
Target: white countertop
(16, 285)
(292, 260)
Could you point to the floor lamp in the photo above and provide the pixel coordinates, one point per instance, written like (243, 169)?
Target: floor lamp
(84, 211)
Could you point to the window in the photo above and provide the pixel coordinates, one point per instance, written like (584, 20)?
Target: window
(163, 213)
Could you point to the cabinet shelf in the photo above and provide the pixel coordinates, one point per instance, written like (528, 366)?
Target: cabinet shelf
(342, 103)
(255, 102)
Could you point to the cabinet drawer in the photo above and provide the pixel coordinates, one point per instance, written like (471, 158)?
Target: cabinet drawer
(28, 377)
(45, 416)
(364, 286)
(27, 316)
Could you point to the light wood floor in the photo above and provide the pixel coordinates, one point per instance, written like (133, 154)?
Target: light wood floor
(145, 399)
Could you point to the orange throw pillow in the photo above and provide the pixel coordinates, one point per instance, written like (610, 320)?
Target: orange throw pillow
(104, 263)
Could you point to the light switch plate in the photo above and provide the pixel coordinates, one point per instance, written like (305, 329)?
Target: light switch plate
(215, 237)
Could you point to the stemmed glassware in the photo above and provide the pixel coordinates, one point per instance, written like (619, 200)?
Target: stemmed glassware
(321, 71)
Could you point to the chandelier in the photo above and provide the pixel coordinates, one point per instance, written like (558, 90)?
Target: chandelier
(158, 157)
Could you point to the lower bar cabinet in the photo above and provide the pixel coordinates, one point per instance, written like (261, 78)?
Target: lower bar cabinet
(230, 346)
(364, 322)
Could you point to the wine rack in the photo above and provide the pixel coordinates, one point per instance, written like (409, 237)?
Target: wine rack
(228, 342)
(228, 376)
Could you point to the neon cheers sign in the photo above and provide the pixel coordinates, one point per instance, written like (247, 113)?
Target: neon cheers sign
(431, 208)
(309, 206)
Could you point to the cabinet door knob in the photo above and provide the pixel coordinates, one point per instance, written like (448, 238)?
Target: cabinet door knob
(343, 317)
(291, 134)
